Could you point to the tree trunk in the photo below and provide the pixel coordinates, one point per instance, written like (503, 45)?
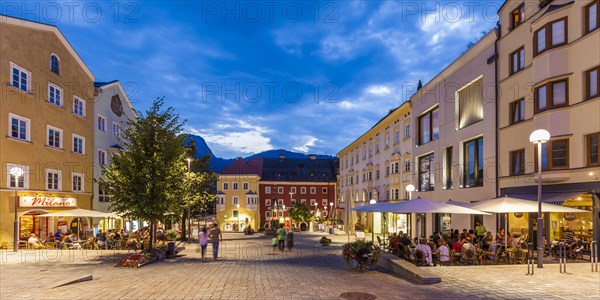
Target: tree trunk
(151, 240)
(183, 226)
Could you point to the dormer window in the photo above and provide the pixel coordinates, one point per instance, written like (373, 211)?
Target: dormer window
(54, 63)
(517, 16)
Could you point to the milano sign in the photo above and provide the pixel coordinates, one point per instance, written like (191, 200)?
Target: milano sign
(31, 201)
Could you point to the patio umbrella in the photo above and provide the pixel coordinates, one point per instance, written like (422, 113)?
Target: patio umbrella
(78, 213)
(511, 205)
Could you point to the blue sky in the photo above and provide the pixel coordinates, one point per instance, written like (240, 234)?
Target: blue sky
(306, 76)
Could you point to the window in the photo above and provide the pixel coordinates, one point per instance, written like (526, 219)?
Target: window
(220, 200)
(103, 197)
(293, 190)
(324, 202)
(591, 16)
(407, 165)
(78, 144)
(313, 190)
(517, 111)
(313, 202)
(517, 61)
(101, 123)
(280, 190)
(77, 182)
(235, 186)
(293, 202)
(387, 141)
(428, 127)
(592, 81)
(102, 157)
(18, 127)
(225, 186)
(376, 147)
(555, 155)
(551, 95)
(54, 64)
(54, 137)
(79, 106)
(21, 78)
(116, 129)
(470, 103)
(473, 163)
(395, 194)
(517, 162)
(426, 175)
(324, 190)
(280, 202)
(267, 214)
(235, 200)
(387, 171)
(448, 184)
(552, 35)
(302, 190)
(267, 189)
(250, 200)
(53, 179)
(370, 150)
(406, 131)
(245, 186)
(23, 180)
(593, 158)
(55, 94)
(395, 168)
(235, 213)
(396, 137)
(517, 16)
(377, 174)
(267, 202)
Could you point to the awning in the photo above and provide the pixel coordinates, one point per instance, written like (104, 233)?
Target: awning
(550, 198)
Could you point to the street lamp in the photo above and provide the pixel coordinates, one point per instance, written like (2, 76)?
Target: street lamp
(238, 216)
(189, 161)
(331, 213)
(373, 201)
(411, 188)
(17, 172)
(539, 137)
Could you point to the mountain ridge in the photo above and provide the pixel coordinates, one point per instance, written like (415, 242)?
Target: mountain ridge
(218, 163)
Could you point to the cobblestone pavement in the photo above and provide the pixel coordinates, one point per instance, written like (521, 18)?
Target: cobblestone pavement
(250, 269)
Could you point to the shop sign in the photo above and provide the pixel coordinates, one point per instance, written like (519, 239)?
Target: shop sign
(34, 201)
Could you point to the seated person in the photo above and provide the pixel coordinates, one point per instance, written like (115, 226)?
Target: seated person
(443, 252)
(426, 250)
(487, 241)
(467, 245)
(501, 236)
(34, 241)
(576, 246)
(404, 240)
(74, 239)
(524, 238)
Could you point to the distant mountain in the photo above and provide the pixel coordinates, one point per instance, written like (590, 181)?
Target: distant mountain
(219, 164)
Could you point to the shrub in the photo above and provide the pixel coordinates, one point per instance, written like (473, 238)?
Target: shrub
(364, 253)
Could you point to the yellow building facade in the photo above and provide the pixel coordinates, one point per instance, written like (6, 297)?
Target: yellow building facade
(46, 121)
(237, 196)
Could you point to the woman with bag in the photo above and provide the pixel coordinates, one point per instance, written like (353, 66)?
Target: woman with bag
(203, 237)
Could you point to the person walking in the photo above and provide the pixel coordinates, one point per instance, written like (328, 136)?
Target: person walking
(215, 237)
(281, 238)
(203, 237)
(290, 240)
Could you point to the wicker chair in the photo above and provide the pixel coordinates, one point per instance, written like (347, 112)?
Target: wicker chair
(420, 259)
(468, 257)
(518, 255)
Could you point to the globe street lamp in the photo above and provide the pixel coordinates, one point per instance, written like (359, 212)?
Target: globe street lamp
(17, 173)
(189, 161)
(373, 201)
(331, 213)
(539, 137)
(238, 216)
(410, 188)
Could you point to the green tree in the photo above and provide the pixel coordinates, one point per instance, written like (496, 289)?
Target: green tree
(199, 186)
(145, 178)
(299, 212)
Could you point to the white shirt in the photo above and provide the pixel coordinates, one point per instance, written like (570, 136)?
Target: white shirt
(426, 249)
(444, 253)
(203, 238)
(34, 241)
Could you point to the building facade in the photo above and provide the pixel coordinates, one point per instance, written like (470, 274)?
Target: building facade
(454, 154)
(112, 110)
(377, 166)
(237, 195)
(548, 65)
(47, 124)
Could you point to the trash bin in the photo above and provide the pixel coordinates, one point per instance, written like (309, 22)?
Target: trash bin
(171, 249)
(330, 230)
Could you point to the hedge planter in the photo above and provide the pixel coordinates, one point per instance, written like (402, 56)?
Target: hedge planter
(360, 255)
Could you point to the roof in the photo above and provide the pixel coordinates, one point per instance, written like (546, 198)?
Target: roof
(240, 166)
(47, 27)
(100, 84)
(299, 170)
(119, 86)
(251, 193)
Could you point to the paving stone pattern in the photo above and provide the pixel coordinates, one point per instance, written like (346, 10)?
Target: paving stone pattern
(251, 269)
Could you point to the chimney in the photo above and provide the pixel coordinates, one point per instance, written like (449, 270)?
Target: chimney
(281, 156)
(313, 157)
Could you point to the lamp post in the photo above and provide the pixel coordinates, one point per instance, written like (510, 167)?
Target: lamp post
(538, 137)
(373, 201)
(189, 161)
(17, 172)
(410, 188)
(238, 216)
(331, 213)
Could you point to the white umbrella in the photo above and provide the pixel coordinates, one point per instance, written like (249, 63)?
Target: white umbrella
(424, 206)
(377, 207)
(79, 212)
(511, 205)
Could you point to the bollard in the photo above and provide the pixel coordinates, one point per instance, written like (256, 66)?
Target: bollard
(594, 255)
(562, 257)
(530, 260)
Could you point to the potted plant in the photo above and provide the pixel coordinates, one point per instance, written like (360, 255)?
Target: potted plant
(361, 254)
(170, 235)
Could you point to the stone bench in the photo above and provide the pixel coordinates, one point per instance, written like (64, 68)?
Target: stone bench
(407, 270)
